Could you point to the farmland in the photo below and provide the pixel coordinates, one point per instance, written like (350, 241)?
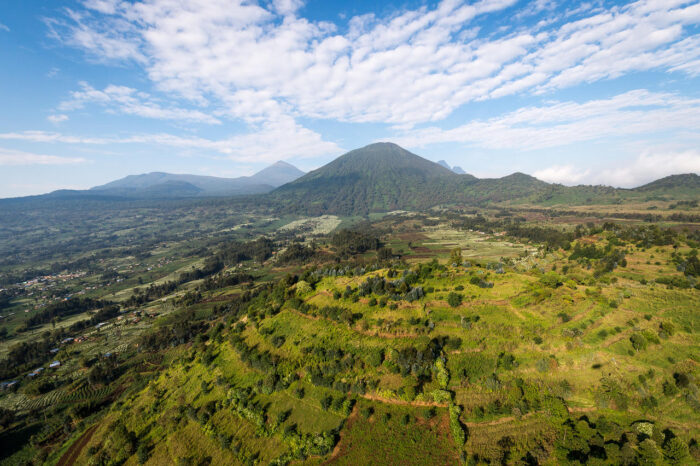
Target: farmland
(452, 337)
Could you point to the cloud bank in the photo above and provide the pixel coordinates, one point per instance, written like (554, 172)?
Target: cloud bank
(254, 61)
(643, 169)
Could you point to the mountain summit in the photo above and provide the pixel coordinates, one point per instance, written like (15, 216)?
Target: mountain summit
(277, 174)
(456, 169)
(378, 160)
(380, 176)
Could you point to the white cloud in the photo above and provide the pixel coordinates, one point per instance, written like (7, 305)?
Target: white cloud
(4, 28)
(130, 101)
(9, 157)
(651, 166)
(562, 174)
(637, 112)
(272, 141)
(412, 67)
(103, 6)
(287, 7)
(56, 119)
(646, 167)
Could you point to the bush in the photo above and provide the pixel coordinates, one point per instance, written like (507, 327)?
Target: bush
(682, 379)
(454, 299)
(638, 341)
(651, 337)
(552, 280)
(326, 402)
(666, 329)
(676, 451)
(456, 426)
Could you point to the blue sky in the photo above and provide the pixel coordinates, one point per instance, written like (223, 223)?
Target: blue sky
(595, 92)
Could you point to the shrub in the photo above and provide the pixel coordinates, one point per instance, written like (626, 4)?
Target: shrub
(454, 299)
(676, 451)
(682, 379)
(551, 280)
(326, 402)
(666, 329)
(456, 426)
(638, 341)
(651, 336)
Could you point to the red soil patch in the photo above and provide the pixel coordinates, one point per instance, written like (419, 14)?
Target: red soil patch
(71, 456)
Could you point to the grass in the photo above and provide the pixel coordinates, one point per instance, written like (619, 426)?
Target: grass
(519, 340)
(378, 440)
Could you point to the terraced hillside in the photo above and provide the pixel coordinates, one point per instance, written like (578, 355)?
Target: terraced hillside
(587, 353)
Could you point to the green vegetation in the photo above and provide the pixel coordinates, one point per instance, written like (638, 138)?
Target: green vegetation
(511, 335)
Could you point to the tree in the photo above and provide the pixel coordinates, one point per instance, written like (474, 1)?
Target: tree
(454, 299)
(676, 451)
(456, 256)
(384, 254)
(649, 454)
(6, 417)
(639, 343)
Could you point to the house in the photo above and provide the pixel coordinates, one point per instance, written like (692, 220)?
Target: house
(8, 384)
(35, 372)
(55, 364)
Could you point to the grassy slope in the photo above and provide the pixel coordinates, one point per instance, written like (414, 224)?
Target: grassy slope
(510, 318)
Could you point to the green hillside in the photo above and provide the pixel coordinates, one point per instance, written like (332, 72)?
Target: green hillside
(378, 177)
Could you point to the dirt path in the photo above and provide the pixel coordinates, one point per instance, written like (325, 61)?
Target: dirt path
(392, 401)
(581, 409)
(625, 334)
(71, 456)
(467, 350)
(368, 333)
(500, 420)
(338, 449)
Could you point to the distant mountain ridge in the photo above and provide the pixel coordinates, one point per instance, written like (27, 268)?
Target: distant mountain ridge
(456, 169)
(160, 184)
(385, 177)
(380, 177)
